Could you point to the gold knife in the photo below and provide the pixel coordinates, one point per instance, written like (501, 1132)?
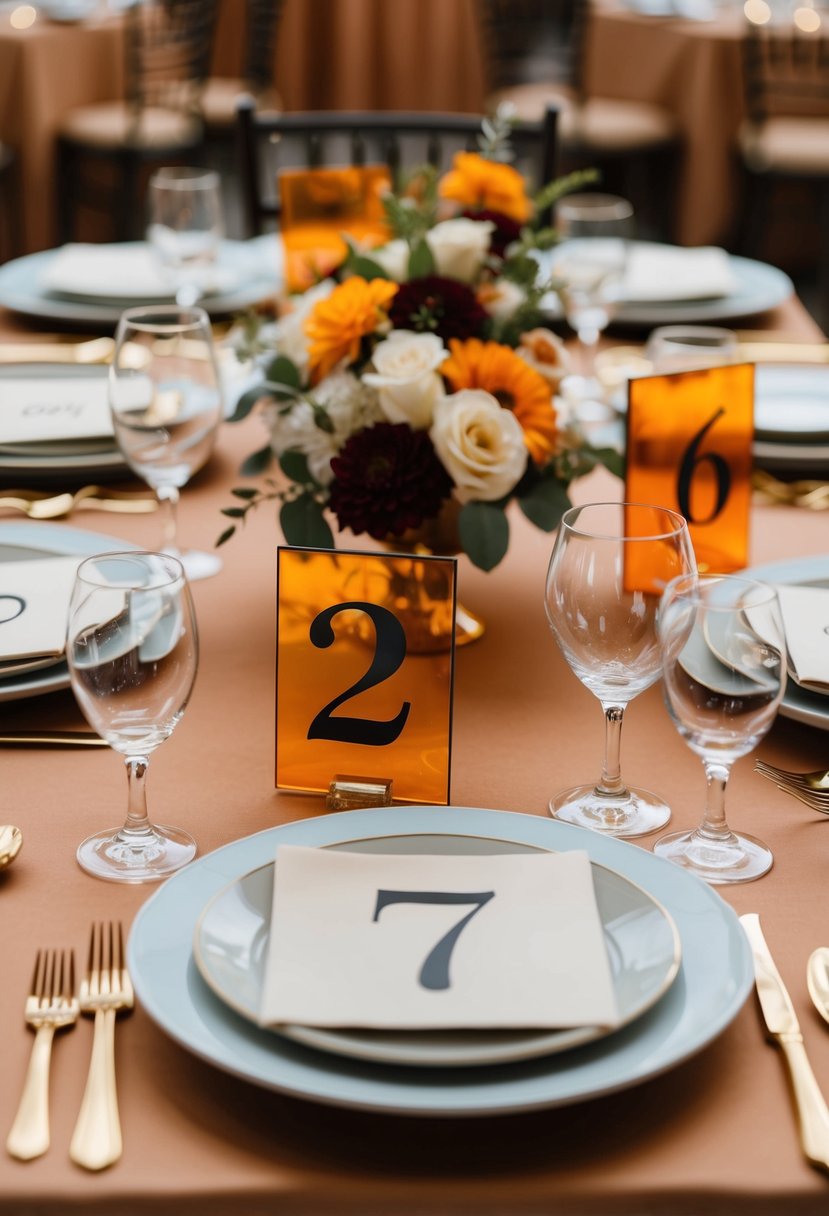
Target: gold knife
(53, 738)
(784, 1028)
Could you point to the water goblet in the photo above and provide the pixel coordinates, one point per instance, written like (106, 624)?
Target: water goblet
(132, 649)
(609, 566)
(185, 228)
(724, 666)
(166, 406)
(681, 348)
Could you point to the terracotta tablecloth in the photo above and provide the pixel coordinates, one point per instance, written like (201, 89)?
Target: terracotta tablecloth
(716, 1134)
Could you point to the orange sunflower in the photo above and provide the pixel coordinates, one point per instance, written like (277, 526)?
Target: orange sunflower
(484, 184)
(337, 324)
(518, 387)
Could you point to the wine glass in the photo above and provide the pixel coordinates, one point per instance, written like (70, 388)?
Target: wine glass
(132, 649)
(185, 228)
(609, 565)
(724, 667)
(589, 266)
(680, 348)
(166, 407)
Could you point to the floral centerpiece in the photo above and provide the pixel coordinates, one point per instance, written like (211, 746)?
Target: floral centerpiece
(418, 384)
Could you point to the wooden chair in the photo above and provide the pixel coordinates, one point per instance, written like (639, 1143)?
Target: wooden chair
(785, 136)
(269, 142)
(104, 150)
(534, 54)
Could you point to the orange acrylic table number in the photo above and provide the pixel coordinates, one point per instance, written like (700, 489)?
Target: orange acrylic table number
(689, 448)
(358, 690)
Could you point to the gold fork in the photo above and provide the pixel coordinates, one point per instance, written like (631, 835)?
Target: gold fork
(43, 506)
(105, 990)
(816, 782)
(50, 1006)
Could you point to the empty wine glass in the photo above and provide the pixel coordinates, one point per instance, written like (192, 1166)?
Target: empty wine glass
(681, 348)
(186, 227)
(609, 565)
(724, 666)
(589, 266)
(166, 407)
(132, 649)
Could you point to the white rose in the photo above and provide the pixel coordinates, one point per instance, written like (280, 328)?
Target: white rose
(546, 353)
(392, 258)
(288, 335)
(480, 444)
(406, 376)
(501, 299)
(459, 247)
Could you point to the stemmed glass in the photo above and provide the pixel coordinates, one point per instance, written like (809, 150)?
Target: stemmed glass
(185, 228)
(132, 649)
(609, 566)
(724, 666)
(589, 266)
(166, 407)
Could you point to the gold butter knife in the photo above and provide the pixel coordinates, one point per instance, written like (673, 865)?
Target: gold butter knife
(784, 1029)
(53, 738)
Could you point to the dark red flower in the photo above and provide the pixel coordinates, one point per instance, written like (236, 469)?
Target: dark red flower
(387, 479)
(506, 229)
(440, 306)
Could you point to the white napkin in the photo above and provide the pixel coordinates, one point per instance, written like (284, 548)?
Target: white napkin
(806, 623)
(35, 411)
(34, 606)
(360, 939)
(669, 272)
(121, 272)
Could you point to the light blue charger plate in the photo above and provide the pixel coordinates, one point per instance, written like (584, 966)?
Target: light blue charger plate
(714, 979)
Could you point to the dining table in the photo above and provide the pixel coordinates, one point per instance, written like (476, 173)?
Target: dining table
(716, 1132)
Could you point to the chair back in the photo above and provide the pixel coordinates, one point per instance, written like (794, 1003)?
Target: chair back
(260, 52)
(269, 142)
(532, 42)
(786, 72)
(167, 47)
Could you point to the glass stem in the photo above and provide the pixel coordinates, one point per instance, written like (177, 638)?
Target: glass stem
(611, 784)
(168, 498)
(588, 340)
(137, 823)
(713, 826)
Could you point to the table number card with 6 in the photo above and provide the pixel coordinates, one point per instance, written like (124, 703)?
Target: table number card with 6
(689, 448)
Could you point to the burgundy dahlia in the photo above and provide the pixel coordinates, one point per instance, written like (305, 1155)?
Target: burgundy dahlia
(387, 479)
(440, 306)
(505, 232)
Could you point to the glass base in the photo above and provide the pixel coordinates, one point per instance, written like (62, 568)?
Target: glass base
(199, 565)
(737, 859)
(148, 857)
(635, 813)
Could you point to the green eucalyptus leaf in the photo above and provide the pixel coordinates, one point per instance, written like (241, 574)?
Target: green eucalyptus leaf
(246, 403)
(545, 503)
(226, 535)
(246, 492)
(367, 269)
(294, 465)
(421, 261)
(303, 523)
(612, 460)
(235, 512)
(257, 462)
(484, 533)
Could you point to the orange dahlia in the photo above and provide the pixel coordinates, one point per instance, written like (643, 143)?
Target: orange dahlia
(337, 324)
(476, 182)
(518, 387)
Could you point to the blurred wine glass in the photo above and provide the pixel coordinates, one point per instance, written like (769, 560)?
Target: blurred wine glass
(166, 406)
(609, 566)
(185, 229)
(132, 650)
(724, 666)
(682, 348)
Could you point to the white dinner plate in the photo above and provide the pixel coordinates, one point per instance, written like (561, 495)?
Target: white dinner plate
(24, 540)
(758, 287)
(792, 404)
(799, 703)
(714, 979)
(257, 261)
(231, 939)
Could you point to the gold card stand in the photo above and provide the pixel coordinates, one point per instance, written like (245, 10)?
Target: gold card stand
(353, 793)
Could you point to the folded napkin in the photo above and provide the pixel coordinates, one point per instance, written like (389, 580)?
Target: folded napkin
(427, 942)
(34, 606)
(806, 623)
(122, 272)
(41, 412)
(669, 272)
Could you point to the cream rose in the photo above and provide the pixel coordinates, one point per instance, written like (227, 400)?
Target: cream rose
(406, 377)
(480, 444)
(546, 353)
(459, 247)
(501, 299)
(392, 258)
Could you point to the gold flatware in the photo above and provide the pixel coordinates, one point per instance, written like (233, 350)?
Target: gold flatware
(50, 1006)
(105, 991)
(762, 351)
(53, 738)
(817, 780)
(11, 842)
(811, 494)
(817, 980)
(93, 350)
(783, 1027)
(94, 498)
